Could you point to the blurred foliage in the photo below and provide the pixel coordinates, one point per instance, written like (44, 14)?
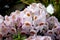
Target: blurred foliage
(55, 3)
(18, 36)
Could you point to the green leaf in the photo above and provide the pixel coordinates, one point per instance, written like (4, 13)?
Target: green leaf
(14, 36)
(31, 1)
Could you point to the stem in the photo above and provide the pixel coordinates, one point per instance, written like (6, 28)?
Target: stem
(25, 2)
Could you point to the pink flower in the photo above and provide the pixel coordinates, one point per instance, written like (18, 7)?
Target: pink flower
(46, 38)
(7, 20)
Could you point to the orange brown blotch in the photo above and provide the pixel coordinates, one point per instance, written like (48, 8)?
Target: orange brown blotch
(28, 14)
(13, 30)
(27, 24)
(41, 24)
(32, 33)
(35, 17)
(55, 26)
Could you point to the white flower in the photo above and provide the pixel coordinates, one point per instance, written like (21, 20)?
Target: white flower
(34, 31)
(25, 29)
(46, 38)
(50, 9)
(1, 17)
(1, 20)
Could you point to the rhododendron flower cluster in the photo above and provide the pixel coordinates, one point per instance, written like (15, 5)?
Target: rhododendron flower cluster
(31, 20)
(39, 38)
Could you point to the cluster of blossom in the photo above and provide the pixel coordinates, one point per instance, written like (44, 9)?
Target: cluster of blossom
(30, 21)
(39, 38)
